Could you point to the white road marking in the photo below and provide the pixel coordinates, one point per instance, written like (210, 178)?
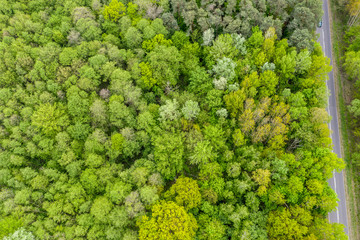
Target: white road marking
(337, 207)
(323, 40)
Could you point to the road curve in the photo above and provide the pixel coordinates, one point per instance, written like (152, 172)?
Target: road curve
(337, 181)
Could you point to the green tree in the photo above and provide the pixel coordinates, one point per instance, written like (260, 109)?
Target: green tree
(190, 110)
(199, 81)
(98, 111)
(101, 208)
(90, 181)
(211, 228)
(169, 111)
(149, 195)
(262, 177)
(169, 154)
(133, 38)
(168, 221)
(282, 225)
(67, 56)
(269, 83)
(88, 29)
(147, 75)
(120, 115)
(185, 192)
(354, 108)
(303, 62)
(9, 225)
(329, 231)
(287, 67)
(203, 153)
(20, 234)
(235, 102)
(225, 68)
(301, 39)
(165, 63)
(118, 191)
(134, 207)
(50, 119)
(117, 141)
(159, 39)
(223, 47)
(238, 138)
(208, 37)
(114, 10)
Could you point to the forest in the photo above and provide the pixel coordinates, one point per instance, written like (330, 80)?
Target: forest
(164, 119)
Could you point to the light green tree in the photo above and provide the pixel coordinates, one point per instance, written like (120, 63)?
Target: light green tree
(168, 221)
(101, 208)
(169, 154)
(354, 108)
(20, 234)
(190, 110)
(50, 119)
(114, 10)
(185, 192)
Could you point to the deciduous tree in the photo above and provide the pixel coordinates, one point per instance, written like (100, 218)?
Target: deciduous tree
(168, 221)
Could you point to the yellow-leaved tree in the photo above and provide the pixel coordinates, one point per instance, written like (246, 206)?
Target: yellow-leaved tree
(168, 221)
(114, 11)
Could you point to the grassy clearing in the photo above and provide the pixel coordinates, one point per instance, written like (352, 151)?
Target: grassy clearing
(344, 88)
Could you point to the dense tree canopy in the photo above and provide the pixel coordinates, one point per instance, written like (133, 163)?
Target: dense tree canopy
(164, 120)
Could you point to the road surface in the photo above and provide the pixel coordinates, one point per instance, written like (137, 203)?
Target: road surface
(337, 181)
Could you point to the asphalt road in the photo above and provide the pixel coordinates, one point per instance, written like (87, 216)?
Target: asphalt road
(337, 181)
